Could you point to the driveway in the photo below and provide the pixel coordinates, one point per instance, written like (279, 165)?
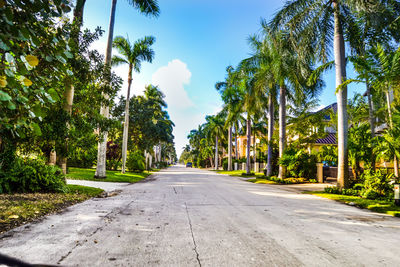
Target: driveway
(190, 217)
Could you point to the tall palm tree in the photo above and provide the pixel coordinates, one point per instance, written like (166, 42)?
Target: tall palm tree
(312, 24)
(232, 98)
(215, 129)
(149, 8)
(133, 55)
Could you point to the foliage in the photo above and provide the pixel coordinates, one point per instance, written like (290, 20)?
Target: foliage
(377, 185)
(328, 155)
(299, 163)
(83, 153)
(31, 175)
(112, 176)
(113, 155)
(16, 209)
(136, 161)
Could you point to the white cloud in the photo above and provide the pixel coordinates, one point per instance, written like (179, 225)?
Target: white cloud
(171, 80)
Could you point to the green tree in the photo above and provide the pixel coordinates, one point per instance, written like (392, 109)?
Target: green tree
(147, 7)
(133, 55)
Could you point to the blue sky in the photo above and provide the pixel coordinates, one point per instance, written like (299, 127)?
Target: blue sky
(195, 41)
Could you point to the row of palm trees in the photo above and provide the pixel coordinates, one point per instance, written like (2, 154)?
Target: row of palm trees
(283, 64)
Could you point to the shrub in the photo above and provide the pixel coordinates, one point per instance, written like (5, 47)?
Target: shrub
(161, 165)
(299, 163)
(136, 161)
(83, 158)
(225, 164)
(376, 185)
(31, 175)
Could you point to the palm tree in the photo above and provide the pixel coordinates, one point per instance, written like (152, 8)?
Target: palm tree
(147, 7)
(215, 129)
(232, 98)
(311, 23)
(133, 55)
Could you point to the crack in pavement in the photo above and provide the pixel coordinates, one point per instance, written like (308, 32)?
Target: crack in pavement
(191, 231)
(107, 216)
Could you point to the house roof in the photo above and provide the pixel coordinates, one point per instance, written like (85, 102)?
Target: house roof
(333, 107)
(330, 139)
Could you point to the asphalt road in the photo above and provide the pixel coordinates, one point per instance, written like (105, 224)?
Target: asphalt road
(190, 217)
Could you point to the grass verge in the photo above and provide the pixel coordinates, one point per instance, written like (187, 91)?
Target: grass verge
(240, 173)
(381, 206)
(17, 209)
(261, 181)
(112, 176)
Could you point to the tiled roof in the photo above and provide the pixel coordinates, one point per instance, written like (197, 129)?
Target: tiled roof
(330, 139)
(331, 106)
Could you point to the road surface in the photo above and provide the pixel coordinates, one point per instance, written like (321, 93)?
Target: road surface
(190, 217)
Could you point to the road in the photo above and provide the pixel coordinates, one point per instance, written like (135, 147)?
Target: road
(191, 217)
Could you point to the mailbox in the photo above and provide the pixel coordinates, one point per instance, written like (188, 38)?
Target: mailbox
(397, 194)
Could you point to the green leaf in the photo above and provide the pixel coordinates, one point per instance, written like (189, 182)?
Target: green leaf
(3, 46)
(68, 54)
(53, 94)
(36, 129)
(61, 59)
(4, 96)
(10, 58)
(49, 58)
(9, 72)
(70, 73)
(35, 40)
(11, 105)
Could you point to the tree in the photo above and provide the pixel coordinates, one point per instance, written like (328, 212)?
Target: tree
(215, 129)
(312, 24)
(147, 7)
(232, 97)
(133, 55)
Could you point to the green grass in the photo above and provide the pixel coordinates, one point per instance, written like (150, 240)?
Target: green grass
(17, 209)
(112, 176)
(261, 181)
(239, 173)
(381, 206)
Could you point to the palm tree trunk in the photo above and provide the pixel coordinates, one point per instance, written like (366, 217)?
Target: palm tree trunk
(255, 150)
(236, 145)
(69, 87)
(126, 122)
(270, 133)
(230, 149)
(248, 125)
(340, 68)
(104, 110)
(389, 104)
(371, 118)
(69, 97)
(216, 153)
(282, 128)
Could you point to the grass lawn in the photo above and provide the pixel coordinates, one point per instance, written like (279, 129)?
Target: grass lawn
(112, 176)
(261, 181)
(381, 206)
(239, 173)
(17, 209)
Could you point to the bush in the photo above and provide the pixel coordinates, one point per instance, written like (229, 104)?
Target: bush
(31, 175)
(161, 165)
(376, 185)
(225, 164)
(83, 158)
(299, 163)
(136, 161)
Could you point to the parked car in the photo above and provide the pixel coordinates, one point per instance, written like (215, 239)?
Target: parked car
(189, 165)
